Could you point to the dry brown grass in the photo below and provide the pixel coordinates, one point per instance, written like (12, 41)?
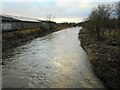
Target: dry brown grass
(104, 56)
(17, 33)
(112, 34)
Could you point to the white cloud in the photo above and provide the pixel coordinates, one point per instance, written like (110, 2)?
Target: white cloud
(59, 0)
(0, 8)
(74, 19)
(62, 10)
(24, 0)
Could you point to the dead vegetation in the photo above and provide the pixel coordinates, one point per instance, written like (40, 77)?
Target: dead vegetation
(104, 56)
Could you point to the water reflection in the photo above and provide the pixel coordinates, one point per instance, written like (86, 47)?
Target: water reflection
(56, 60)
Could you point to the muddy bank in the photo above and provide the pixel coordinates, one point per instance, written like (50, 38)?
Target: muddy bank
(104, 58)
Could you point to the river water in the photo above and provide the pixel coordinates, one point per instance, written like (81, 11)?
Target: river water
(54, 61)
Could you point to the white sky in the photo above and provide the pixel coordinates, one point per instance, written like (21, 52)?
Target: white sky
(61, 10)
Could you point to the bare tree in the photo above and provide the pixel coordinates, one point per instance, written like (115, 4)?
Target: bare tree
(99, 18)
(118, 13)
(50, 17)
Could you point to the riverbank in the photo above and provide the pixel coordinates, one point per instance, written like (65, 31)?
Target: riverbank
(53, 61)
(13, 39)
(104, 57)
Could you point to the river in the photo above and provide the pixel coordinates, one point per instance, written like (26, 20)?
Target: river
(53, 61)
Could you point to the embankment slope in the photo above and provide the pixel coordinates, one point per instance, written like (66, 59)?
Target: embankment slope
(104, 58)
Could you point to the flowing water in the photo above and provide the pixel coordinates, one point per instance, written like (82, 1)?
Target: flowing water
(54, 61)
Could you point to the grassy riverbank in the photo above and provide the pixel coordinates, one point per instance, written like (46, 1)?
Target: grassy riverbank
(16, 38)
(12, 39)
(104, 56)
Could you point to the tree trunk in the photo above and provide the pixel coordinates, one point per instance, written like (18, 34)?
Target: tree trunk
(98, 32)
(110, 34)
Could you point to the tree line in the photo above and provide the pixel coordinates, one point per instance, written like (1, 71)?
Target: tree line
(103, 17)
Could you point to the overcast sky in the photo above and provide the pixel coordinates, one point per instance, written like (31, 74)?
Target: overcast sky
(60, 10)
